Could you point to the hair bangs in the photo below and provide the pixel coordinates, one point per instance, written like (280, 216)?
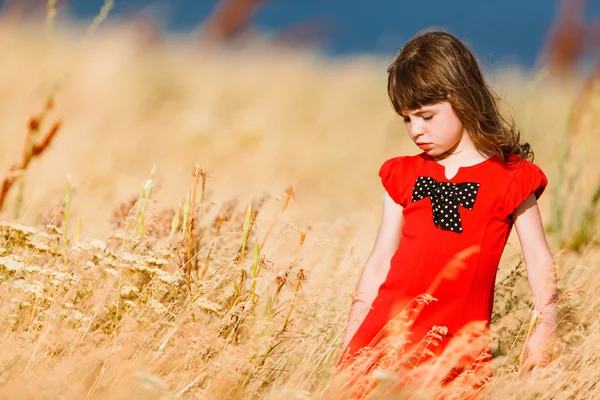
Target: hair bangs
(411, 86)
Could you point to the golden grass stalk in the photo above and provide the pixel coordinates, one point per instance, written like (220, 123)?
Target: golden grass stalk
(246, 229)
(186, 212)
(300, 277)
(295, 260)
(289, 194)
(282, 278)
(239, 286)
(190, 242)
(31, 150)
(276, 341)
(204, 177)
(220, 220)
(143, 199)
(255, 272)
(174, 224)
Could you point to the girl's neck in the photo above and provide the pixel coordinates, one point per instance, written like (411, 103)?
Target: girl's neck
(453, 162)
(463, 153)
(462, 158)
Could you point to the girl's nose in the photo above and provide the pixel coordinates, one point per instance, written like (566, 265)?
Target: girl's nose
(417, 129)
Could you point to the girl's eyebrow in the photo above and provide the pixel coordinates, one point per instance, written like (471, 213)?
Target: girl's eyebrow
(419, 112)
(425, 109)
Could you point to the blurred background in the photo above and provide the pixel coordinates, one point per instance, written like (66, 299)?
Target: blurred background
(510, 31)
(500, 32)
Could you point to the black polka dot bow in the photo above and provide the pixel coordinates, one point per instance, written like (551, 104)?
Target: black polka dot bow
(445, 199)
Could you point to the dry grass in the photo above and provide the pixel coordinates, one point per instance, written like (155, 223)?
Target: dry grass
(187, 298)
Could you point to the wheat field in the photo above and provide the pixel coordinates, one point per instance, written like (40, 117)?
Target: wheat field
(197, 226)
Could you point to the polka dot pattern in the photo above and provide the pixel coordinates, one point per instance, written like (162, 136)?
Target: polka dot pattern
(445, 199)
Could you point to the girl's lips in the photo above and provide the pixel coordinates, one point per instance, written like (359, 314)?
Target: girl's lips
(424, 146)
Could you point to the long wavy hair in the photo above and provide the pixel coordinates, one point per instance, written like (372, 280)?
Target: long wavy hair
(436, 66)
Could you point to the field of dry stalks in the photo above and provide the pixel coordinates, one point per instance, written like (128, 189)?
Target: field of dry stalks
(197, 225)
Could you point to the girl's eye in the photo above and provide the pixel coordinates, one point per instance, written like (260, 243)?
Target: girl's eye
(428, 118)
(406, 120)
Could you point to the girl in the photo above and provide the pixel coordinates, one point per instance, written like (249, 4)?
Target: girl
(447, 214)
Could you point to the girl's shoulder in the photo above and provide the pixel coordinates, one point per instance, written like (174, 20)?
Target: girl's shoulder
(397, 172)
(518, 168)
(401, 162)
(524, 178)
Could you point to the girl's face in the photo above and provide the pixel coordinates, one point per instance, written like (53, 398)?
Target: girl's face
(436, 129)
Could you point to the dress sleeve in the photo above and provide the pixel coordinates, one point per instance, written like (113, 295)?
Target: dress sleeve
(390, 174)
(528, 179)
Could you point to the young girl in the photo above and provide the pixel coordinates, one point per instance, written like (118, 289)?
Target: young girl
(448, 212)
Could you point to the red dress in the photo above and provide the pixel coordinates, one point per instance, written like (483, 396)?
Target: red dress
(469, 213)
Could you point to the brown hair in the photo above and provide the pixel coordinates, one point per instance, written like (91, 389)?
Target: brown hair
(436, 66)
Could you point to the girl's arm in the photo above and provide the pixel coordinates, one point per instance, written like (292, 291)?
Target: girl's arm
(541, 272)
(377, 265)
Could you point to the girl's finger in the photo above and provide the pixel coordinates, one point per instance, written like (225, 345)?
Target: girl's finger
(530, 363)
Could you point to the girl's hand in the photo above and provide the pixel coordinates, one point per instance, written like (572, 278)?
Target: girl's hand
(539, 349)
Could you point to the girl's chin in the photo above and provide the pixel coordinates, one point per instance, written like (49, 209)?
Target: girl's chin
(435, 153)
(429, 150)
